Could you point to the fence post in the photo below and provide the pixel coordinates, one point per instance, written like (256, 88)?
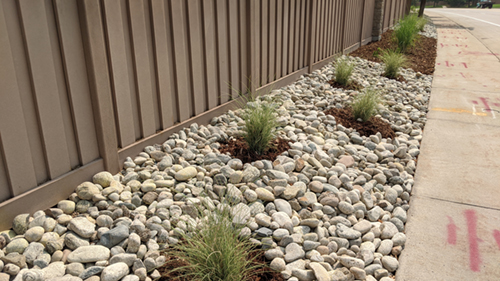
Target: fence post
(378, 20)
(312, 31)
(100, 87)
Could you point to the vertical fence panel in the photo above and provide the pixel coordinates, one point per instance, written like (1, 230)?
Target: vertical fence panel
(291, 43)
(317, 29)
(328, 24)
(44, 83)
(286, 31)
(196, 54)
(179, 36)
(264, 41)
(245, 75)
(368, 24)
(5, 191)
(18, 174)
(278, 39)
(77, 82)
(22, 73)
(321, 14)
(210, 48)
(387, 10)
(234, 49)
(272, 41)
(60, 79)
(119, 71)
(162, 50)
(223, 52)
(336, 22)
(393, 11)
(142, 74)
(151, 57)
(296, 41)
(304, 34)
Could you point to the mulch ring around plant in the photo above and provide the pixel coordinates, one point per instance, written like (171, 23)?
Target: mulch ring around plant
(238, 148)
(353, 85)
(263, 273)
(421, 57)
(345, 117)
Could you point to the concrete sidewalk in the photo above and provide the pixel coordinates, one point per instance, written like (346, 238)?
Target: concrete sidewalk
(453, 226)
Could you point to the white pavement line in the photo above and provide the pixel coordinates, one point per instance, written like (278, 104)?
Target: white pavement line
(470, 18)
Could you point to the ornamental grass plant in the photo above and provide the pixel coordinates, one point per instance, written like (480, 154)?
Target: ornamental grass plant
(393, 61)
(216, 251)
(364, 105)
(343, 71)
(260, 125)
(405, 33)
(421, 23)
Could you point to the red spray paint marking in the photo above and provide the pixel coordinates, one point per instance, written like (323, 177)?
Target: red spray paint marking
(452, 232)
(496, 234)
(485, 102)
(474, 255)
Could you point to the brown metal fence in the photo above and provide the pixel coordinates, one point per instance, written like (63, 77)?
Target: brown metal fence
(85, 84)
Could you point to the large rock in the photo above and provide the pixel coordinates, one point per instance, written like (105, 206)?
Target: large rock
(86, 190)
(103, 178)
(73, 241)
(250, 174)
(91, 253)
(20, 223)
(67, 206)
(264, 194)
(34, 234)
(55, 269)
(34, 275)
(91, 271)
(82, 226)
(186, 173)
(33, 251)
(293, 252)
(319, 271)
(15, 258)
(114, 236)
(114, 272)
(16, 245)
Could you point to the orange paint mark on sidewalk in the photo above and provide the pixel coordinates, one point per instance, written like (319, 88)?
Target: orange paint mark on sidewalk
(459, 110)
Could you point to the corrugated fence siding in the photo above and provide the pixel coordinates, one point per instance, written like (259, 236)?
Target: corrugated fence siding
(84, 84)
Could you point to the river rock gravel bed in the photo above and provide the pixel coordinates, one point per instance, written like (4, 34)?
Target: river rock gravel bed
(333, 207)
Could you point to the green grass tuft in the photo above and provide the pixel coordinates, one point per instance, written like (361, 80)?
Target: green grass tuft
(343, 71)
(393, 61)
(405, 33)
(260, 125)
(421, 23)
(364, 105)
(216, 252)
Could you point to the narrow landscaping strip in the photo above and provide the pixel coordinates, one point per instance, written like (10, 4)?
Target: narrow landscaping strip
(331, 207)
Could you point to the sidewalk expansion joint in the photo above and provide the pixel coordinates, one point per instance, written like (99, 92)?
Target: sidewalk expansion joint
(459, 203)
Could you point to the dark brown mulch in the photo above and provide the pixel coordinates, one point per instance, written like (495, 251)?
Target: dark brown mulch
(238, 148)
(263, 273)
(421, 57)
(353, 85)
(344, 117)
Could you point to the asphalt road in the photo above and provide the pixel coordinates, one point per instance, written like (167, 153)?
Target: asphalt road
(484, 24)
